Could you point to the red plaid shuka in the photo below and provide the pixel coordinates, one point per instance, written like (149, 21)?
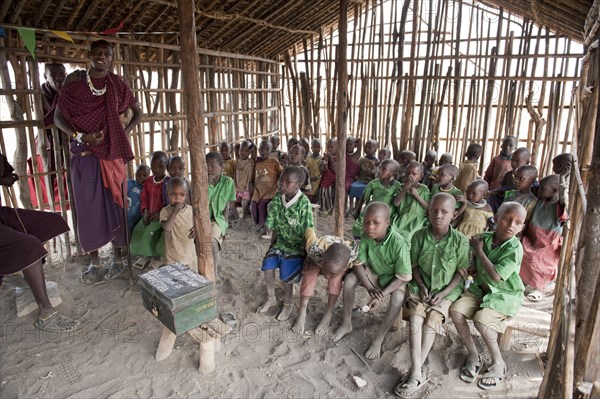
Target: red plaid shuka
(87, 113)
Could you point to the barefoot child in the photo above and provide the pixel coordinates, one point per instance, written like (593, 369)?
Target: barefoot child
(244, 171)
(437, 253)
(411, 202)
(266, 172)
(147, 238)
(367, 166)
(134, 196)
(296, 159)
(329, 256)
(289, 217)
(500, 163)
(177, 220)
(468, 171)
(327, 189)
(524, 178)
(495, 294)
(383, 268)
(313, 164)
(221, 192)
(475, 217)
(382, 189)
(542, 238)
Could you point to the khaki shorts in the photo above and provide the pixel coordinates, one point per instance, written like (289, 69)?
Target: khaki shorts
(216, 233)
(470, 306)
(435, 316)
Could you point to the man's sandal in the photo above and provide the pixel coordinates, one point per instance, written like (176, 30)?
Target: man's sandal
(495, 373)
(91, 274)
(56, 323)
(409, 386)
(114, 271)
(470, 371)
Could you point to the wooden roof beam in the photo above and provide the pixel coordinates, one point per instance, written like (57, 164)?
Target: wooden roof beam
(88, 13)
(18, 8)
(40, 12)
(59, 7)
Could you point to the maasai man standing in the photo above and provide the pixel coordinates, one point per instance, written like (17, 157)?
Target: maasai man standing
(88, 110)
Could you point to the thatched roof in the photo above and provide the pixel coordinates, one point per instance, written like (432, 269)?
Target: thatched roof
(258, 27)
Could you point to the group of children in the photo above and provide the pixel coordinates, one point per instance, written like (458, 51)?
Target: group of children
(440, 242)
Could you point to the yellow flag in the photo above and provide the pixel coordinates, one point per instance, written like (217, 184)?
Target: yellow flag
(63, 35)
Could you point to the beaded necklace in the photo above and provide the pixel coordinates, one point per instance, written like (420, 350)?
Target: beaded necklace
(160, 181)
(95, 92)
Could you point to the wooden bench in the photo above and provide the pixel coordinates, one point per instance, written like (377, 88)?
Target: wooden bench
(528, 322)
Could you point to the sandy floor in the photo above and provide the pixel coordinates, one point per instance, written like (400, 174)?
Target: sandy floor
(112, 355)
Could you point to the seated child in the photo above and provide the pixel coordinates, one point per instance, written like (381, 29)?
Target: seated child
(266, 172)
(445, 159)
(244, 171)
(329, 256)
(475, 217)
(327, 189)
(518, 158)
(445, 178)
(134, 194)
(289, 217)
(382, 189)
(411, 202)
(562, 164)
(542, 238)
(176, 168)
(384, 153)
(221, 192)
(313, 164)
(177, 220)
(228, 162)
(500, 163)
(296, 158)
(274, 152)
(147, 237)
(469, 170)
(524, 178)
(437, 253)
(306, 145)
(353, 151)
(495, 294)
(382, 267)
(405, 158)
(367, 166)
(428, 164)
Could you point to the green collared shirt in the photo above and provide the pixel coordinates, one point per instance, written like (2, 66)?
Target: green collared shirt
(410, 216)
(218, 197)
(505, 295)
(375, 191)
(290, 223)
(388, 258)
(438, 261)
(454, 191)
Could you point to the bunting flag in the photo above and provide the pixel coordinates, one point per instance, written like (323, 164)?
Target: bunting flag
(28, 37)
(112, 31)
(63, 35)
(2, 33)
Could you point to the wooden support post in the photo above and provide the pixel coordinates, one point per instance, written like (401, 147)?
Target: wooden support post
(165, 345)
(195, 136)
(342, 119)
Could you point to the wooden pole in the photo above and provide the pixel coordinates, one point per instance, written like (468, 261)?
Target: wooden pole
(194, 110)
(342, 119)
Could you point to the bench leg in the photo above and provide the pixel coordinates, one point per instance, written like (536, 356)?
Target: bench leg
(506, 338)
(166, 344)
(207, 356)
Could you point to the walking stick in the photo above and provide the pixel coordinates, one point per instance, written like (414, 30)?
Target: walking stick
(127, 238)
